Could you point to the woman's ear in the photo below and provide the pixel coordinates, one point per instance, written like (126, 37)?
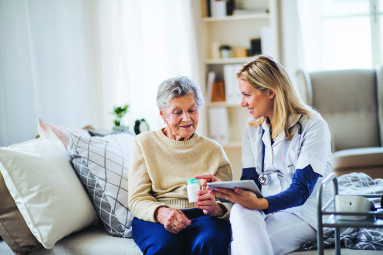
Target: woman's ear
(271, 93)
(162, 115)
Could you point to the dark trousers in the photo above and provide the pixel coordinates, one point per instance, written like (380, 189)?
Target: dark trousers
(206, 235)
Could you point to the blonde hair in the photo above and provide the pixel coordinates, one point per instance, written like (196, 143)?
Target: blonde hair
(264, 73)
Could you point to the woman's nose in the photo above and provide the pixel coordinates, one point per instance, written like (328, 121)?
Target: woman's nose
(185, 116)
(243, 102)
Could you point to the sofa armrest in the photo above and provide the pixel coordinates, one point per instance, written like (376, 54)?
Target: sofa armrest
(366, 160)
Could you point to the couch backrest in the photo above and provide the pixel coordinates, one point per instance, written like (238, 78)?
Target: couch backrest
(379, 77)
(351, 103)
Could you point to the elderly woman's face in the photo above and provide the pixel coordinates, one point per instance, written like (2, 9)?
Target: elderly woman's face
(181, 117)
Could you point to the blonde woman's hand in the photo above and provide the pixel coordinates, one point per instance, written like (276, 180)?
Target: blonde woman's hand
(245, 198)
(173, 220)
(205, 178)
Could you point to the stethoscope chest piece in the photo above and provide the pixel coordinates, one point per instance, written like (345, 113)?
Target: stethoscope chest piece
(264, 179)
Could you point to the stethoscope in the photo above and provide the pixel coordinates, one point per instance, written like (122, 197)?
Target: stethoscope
(264, 178)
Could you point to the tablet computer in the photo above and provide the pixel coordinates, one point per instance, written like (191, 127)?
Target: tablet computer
(244, 184)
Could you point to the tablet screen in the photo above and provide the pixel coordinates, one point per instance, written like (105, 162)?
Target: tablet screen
(244, 184)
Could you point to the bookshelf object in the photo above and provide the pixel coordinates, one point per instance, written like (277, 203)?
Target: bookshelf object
(239, 29)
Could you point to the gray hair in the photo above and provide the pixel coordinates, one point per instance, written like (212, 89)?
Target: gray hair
(178, 87)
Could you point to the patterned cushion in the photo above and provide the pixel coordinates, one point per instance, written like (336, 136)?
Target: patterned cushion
(102, 166)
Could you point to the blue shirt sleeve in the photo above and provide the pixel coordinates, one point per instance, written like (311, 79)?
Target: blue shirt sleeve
(251, 174)
(302, 185)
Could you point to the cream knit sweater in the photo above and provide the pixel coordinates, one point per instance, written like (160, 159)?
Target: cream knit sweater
(160, 166)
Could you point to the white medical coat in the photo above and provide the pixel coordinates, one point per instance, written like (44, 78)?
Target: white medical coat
(313, 148)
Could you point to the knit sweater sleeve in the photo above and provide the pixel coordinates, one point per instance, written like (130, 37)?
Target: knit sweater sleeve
(225, 173)
(141, 203)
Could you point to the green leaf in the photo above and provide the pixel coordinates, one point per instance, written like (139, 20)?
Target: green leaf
(119, 112)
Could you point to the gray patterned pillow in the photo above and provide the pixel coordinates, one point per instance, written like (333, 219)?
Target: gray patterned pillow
(102, 165)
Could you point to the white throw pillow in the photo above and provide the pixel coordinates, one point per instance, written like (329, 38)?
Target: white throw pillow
(46, 189)
(102, 164)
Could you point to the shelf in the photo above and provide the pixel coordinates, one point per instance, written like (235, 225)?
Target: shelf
(222, 104)
(374, 219)
(232, 145)
(252, 19)
(227, 60)
(367, 223)
(238, 17)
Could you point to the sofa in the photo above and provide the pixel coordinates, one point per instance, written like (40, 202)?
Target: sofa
(58, 215)
(351, 101)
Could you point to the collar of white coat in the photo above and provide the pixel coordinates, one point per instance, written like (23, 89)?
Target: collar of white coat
(266, 127)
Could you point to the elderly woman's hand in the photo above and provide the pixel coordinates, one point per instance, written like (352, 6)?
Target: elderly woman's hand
(206, 202)
(173, 220)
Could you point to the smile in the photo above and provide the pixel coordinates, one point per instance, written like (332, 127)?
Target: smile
(187, 126)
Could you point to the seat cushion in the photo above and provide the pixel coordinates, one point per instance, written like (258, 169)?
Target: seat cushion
(96, 241)
(92, 240)
(367, 160)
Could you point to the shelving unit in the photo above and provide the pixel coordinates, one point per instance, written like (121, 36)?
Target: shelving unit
(238, 17)
(236, 31)
(374, 220)
(221, 61)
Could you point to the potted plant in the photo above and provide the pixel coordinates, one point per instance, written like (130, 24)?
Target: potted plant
(119, 112)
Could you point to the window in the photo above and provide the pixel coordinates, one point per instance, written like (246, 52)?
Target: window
(346, 33)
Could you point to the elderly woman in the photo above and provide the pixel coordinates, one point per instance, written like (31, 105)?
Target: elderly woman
(161, 163)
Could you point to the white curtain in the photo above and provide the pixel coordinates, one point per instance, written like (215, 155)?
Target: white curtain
(160, 42)
(71, 61)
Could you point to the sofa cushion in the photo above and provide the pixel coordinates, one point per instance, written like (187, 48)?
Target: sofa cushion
(45, 188)
(92, 241)
(368, 160)
(102, 166)
(344, 96)
(62, 132)
(13, 228)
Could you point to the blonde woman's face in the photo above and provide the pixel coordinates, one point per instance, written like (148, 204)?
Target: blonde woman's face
(181, 117)
(260, 104)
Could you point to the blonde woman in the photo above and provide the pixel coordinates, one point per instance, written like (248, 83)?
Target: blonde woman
(286, 151)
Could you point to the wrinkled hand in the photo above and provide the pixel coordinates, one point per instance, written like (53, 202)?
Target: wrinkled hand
(243, 197)
(205, 178)
(206, 202)
(173, 220)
